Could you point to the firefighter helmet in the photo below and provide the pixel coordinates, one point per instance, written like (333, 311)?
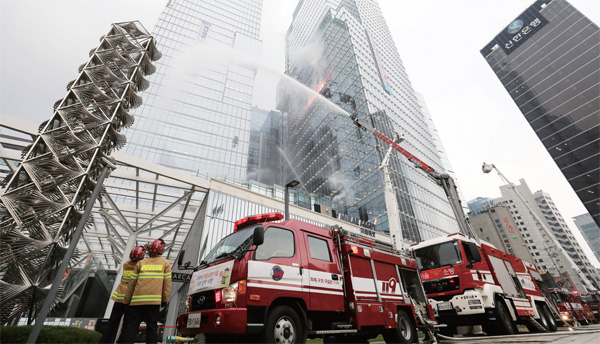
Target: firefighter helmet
(157, 246)
(137, 253)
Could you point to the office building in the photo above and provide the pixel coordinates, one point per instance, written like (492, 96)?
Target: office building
(344, 51)
(496, 225)
(197, 112)
(548, 60)
(590, 231)
(264, 158)
(546, 255)
(479, 205)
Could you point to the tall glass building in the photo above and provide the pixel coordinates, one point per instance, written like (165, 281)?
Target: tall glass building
(590, 231)
(344, 51)
(548, 59)
(197, 112)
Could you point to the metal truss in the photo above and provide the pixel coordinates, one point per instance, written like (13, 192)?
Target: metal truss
(44, 196)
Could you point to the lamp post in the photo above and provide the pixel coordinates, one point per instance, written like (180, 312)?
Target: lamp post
(287, 197)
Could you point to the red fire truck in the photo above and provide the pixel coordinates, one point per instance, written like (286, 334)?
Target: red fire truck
(570, 306)
(473, 283)
(286, 281)
(592, 299)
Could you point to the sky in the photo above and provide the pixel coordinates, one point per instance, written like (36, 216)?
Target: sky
(42, 43)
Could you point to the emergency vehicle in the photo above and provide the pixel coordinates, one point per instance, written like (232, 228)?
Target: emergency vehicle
(286, 281)
(570, 306)
(469, 282)
(592, 299)
(474, 283)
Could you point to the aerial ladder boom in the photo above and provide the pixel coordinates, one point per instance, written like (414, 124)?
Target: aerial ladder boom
(443, 179)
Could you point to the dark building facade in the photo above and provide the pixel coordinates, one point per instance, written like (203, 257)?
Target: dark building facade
(548, 60)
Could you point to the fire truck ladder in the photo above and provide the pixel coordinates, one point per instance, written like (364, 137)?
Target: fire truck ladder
(442, 179)
(348, 237)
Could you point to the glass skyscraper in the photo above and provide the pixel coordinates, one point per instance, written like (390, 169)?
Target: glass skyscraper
(590, 231)
(343, 50)
(548, 59)
(197, 112)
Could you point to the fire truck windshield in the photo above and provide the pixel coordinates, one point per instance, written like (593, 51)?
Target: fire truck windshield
(230, 245)
(436, 256)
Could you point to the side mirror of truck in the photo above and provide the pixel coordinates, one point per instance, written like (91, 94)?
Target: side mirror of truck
(472, 253)
(259, 236)
(475, 252)
(185, 266)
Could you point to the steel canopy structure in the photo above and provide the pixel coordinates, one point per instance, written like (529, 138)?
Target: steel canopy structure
(45, 194)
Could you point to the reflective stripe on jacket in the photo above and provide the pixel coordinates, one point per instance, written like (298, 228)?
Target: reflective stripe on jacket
(150, 282)
(119, 293)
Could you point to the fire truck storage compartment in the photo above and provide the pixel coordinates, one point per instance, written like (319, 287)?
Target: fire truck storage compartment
(412, 285)
(363, 281)
(505, 273)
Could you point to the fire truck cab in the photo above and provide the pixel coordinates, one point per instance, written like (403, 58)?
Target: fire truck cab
(285, 281)
(476, 284)
(592, 299)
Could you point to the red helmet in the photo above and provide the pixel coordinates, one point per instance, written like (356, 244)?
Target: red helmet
(157, 246)
(137, 253)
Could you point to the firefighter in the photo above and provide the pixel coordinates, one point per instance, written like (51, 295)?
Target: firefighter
(119, 308)
(148, 291)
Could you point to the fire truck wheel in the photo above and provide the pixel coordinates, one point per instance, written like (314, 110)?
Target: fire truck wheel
(543, 320)
(503, 323)
(404, 333)
(283, 327)
(551, 321)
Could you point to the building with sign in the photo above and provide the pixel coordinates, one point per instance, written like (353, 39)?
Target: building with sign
(548, 60)
(546, 256)
(344, 51)
(496, 225)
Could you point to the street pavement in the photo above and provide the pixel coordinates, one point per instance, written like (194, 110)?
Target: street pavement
(581, 335)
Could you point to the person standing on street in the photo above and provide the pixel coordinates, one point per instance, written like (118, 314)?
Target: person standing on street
(119, 308)
(148, 290)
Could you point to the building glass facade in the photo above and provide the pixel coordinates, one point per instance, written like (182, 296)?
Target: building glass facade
(590, 231)
(197, 112)
(479, 205)
(548, 59)
(343, 50)
(264, 158)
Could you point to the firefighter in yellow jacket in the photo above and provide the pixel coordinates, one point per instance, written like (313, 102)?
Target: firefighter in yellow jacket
(148, 290)
(119, 308)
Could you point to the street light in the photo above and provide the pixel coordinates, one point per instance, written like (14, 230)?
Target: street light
(287, 197)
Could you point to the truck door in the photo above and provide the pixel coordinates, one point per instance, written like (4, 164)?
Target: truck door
(323, 275)
(276, 270)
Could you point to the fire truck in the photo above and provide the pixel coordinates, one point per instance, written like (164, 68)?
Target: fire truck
(470, 282)
(283, 281)
(592, 299)
(570, 306)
